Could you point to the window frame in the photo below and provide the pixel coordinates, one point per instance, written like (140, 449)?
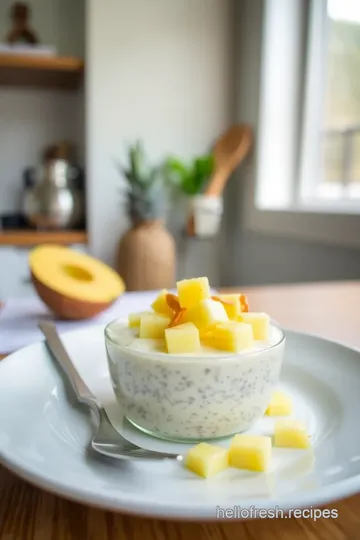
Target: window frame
(287, 29)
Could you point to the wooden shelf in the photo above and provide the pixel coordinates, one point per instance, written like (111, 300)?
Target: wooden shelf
(32, 238)
(40, 71)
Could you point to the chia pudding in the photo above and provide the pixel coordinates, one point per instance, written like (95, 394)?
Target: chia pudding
(185, 397)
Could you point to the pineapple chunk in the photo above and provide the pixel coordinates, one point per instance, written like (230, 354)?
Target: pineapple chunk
(134, 318)
(207, 460)
(280, 405)
(252, 452)
(161, 306)
(291, 434)
(192, 291)
(232, 305)
(183, 338)
(231, 336)
(260, 323)
(152, 326)
(205, 314)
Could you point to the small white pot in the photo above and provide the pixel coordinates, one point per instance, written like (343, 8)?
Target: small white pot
(207, 211)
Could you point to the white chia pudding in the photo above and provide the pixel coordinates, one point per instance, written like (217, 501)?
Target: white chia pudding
(188, 398)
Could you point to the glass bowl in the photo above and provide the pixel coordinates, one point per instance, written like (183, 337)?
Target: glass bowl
(191, 399)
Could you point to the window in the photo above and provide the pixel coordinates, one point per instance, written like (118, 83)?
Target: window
(303, 100)
(331, 133)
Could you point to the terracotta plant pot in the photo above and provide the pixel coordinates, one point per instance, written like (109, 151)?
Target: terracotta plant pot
(147, 257)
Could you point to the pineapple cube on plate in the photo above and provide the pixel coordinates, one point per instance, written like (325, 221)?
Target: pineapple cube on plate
(205, 314)
(231, 336)
(183, 338)
(251, 452)
(280, 405)
(260, 323)
(206, 459)
(192, 291)
(291, 434)
(232, 305)
(134, 318)
(153, 325)
(160, 304)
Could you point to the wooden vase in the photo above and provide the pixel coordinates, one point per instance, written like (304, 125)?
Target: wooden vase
(147, 257)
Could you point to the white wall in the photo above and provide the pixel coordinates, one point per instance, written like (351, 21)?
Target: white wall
(161, 71)
(31, 119)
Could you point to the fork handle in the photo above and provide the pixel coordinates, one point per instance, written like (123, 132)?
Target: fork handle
(53, 341)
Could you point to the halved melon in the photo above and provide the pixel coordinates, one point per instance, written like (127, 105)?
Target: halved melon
(73, 285)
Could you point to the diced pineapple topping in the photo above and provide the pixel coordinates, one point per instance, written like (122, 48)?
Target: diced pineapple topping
(205, 314)
(160, 304)
(192, 291)
(232, 305)
(291, 434)
(134, 318)
(230, 336)
(260, 323)
(152, 326)
(222, 322)
(252, 452)
(207, 460)
(280, 405)
(183, 338)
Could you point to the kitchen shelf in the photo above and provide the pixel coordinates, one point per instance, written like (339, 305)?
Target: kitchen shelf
(40, 71)
(32, 238)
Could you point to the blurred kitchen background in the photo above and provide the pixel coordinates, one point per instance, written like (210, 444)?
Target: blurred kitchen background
(177, 75)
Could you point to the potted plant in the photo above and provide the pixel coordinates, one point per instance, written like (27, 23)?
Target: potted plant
(191, 177)
(202, 211)
(146, 255)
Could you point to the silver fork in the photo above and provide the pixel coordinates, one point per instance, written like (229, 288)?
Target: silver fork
(107, 440)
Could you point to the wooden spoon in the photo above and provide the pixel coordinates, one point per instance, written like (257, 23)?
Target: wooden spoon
(229, 151)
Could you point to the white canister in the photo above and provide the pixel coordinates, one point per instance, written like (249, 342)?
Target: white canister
(207, 215)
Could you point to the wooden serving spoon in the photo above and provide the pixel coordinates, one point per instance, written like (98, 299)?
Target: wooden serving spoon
(229, 151)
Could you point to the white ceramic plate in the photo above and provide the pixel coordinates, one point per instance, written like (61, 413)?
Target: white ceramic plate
(44, 437)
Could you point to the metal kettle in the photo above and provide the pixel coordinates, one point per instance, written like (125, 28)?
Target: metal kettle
(52, 200)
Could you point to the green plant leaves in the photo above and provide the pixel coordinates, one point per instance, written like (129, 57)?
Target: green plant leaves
(146, 186)
(178, 169)
(139, 171)
(178, 174)
(204, 166)
(190, 179)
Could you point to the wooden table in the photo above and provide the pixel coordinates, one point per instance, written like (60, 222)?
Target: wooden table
(27, 513)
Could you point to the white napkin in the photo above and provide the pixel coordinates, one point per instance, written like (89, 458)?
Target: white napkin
(19, 318)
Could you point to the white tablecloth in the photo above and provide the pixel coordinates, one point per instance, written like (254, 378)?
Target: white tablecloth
(20, 316)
